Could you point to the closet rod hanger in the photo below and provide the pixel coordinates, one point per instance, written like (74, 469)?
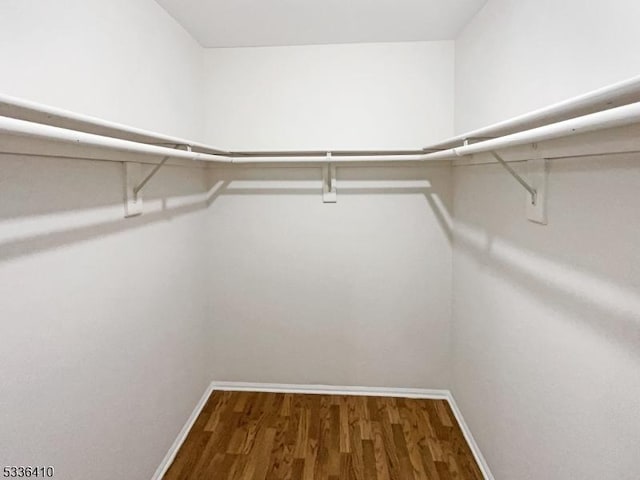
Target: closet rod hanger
(597, 101)
(614, 117)
(24, 119)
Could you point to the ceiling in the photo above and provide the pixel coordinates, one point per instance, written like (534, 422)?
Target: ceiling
(240, 23)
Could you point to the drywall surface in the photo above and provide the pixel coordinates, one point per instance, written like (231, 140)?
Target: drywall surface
(546, 319)
(352, 293)
(362, 96)
(546, 328)
(123, 60)
(518, 55)
(103, 318)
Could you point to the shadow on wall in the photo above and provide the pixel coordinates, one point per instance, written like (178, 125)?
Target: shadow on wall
(561, 285)
(377, 180)
(358, 292)
(563, 264)
(48, 203)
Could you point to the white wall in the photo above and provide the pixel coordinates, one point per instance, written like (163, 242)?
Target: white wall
(103, 319)
(113, 327)
(355, 293)
(516, 56)
(358, 96)
(546, 329)
(122, 60)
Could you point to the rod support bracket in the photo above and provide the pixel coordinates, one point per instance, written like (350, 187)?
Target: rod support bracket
(535, 186)
(134, 185)
(538, 174)
(132, 200)
(329, 190)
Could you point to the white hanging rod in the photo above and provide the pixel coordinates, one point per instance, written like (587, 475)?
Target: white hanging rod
(21, 117)
(31, 129)
(611, 96)
(21, 109)
(27, 129)
(336, 158)
(615, 117)
(23, 128)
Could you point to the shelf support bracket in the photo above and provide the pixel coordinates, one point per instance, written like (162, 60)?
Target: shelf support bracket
(329, 192)
(133, 187)
(519, 179)
(536, 187)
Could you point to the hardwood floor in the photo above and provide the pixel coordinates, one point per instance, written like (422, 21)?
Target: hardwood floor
(246, 435)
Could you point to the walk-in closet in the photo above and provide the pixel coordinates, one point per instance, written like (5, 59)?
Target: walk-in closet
(320, 240)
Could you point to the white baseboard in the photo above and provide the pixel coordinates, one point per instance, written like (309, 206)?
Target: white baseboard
(475, 449)
(327, 390)
(331, 390)
(182, 436)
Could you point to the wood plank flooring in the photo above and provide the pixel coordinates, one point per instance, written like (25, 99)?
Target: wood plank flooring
(260, 436)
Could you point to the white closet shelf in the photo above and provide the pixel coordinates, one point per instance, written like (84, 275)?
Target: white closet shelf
(577, 115)
(611, 107)
(21, 109)
(611, 96)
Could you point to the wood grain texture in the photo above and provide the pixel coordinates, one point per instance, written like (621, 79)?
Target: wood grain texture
(260, 436)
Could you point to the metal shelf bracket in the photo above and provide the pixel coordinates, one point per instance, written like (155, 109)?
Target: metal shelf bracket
(134, 186)
(329, 191)
(536, 186)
